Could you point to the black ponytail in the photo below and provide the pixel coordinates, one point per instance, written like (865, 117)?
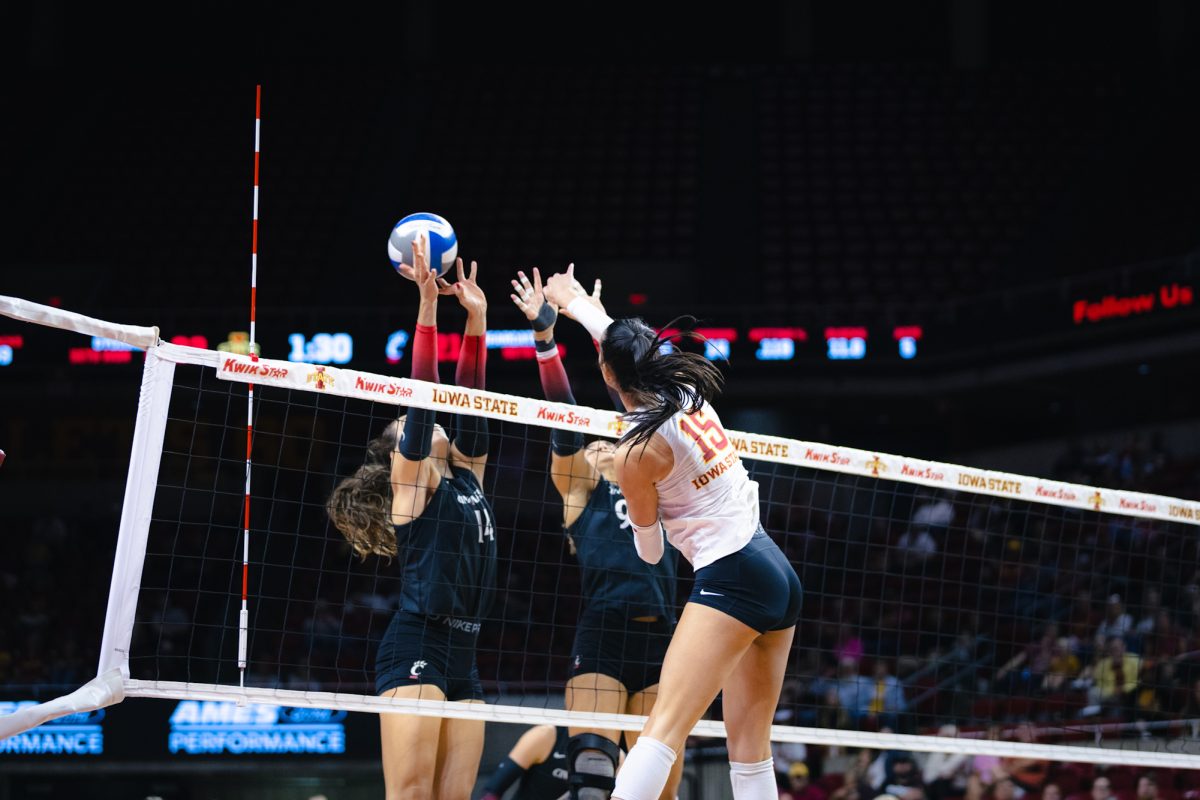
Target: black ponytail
(665, 383)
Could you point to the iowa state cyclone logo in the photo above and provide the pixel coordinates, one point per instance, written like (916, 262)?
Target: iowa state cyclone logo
(876, 465)
(320, 378)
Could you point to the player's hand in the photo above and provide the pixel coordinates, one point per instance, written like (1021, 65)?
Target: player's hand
(407, 271)
(469, 295)
(427, 279)
(594, 297)
(562, 288)
(530, 298)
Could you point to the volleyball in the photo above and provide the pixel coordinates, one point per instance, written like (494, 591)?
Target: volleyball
(443, 244)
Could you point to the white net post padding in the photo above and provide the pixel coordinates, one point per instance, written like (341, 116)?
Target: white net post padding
(158, 378)
(51, 317)
(104, 690)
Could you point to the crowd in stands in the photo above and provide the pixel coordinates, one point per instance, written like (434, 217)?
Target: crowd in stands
(901, 775)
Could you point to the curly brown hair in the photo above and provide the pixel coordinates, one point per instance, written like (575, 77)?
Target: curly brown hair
(361, 508)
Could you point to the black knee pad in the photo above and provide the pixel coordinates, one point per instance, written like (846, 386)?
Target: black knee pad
(591, 766)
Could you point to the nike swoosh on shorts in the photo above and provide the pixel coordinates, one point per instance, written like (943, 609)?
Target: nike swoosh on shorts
(711, 594)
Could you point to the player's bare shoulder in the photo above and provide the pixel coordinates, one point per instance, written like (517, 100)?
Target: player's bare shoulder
(650, 461)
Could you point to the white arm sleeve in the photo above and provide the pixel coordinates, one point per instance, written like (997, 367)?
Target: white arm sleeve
(594, 320)
(648, 541)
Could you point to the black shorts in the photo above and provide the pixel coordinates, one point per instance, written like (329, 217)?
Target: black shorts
(436, 651)
(756, 585)
(612, 644)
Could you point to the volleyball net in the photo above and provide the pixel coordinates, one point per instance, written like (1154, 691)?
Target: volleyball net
(934, 592)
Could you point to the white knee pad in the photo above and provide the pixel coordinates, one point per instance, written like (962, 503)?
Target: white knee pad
(753, 781)
(645, 771)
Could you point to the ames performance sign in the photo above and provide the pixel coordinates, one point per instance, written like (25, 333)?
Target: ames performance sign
(179, 730)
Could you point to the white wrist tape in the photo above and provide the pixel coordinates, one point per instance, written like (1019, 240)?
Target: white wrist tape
(648, 541)
(594, 320)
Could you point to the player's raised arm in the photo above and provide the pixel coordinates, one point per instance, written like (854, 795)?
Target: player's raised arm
(565, 292)
(413, 477)
(573, 475)
(470, 446)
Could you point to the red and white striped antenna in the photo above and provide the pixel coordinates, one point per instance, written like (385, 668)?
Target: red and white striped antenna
(244, 616)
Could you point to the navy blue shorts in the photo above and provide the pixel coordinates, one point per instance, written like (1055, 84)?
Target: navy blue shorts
(756, 586)
(436, 651)
(612, 644)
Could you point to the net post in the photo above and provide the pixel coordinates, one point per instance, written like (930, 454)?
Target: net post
(158, 378)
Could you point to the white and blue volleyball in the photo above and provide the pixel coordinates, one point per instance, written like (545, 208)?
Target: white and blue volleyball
(443, 244)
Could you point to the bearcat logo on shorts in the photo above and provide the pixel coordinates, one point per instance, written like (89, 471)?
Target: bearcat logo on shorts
(417, 668)
(876, 465)
(320, 378)
(203, 727)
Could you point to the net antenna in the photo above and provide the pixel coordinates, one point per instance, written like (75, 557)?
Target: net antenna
(244, 614)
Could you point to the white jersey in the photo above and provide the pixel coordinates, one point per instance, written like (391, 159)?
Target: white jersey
(708, 504)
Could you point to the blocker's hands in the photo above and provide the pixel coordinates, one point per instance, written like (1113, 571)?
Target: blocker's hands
(426, 279)
(529, 297)
(467, 290)
(562, 288)
(421, 243)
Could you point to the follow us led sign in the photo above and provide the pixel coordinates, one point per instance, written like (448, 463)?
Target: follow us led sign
(74, 735)
(208, 727)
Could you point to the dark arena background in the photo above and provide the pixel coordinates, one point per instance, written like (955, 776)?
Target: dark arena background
(960, 232)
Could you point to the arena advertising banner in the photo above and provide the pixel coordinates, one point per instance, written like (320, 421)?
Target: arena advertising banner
(597, 422)
(180, 730)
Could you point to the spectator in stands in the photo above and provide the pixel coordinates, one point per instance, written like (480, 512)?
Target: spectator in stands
(799, 786)
(945, 774)
(1191, 709)
(887, 701)
(854, 691)
(985, 770)
(879, 773)
(904, 779)
(1052, 792)
(1102, 789)
(1116, 622)
(1004, 789)
(1064, 666)
(1147, 788)
(1025, 672)
(1151, 604)
(1163, 640)
(914, 548)
(932, 512)
(849, 644)
(855, 785)
(1029, 774)
(1114, 679)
